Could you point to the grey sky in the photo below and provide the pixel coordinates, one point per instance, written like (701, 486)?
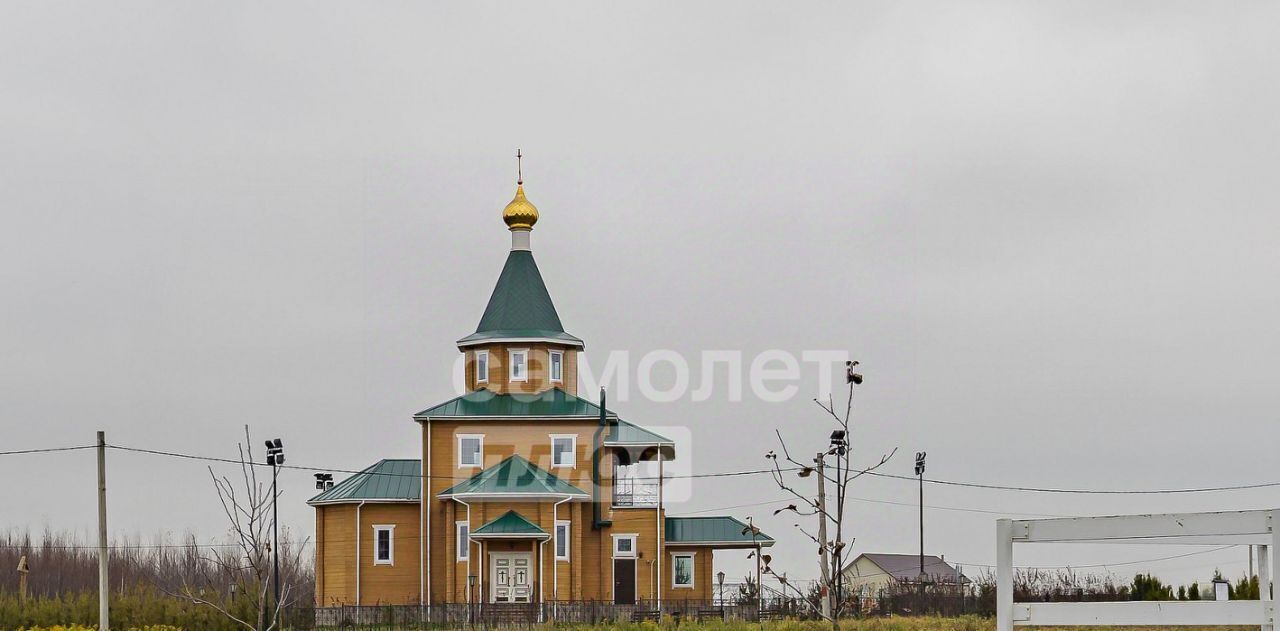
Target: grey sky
(1047, 229)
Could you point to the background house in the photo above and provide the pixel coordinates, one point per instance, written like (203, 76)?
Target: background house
(871, 572)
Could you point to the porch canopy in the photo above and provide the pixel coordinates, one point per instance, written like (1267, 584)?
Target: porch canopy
(633, 443)
(513, 479)
(511, 525)
(714, 532)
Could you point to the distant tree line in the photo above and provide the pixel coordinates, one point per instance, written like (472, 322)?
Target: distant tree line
(147, 579)
(1033, 585)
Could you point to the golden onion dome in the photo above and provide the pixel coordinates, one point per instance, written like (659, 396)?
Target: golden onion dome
(520, 214)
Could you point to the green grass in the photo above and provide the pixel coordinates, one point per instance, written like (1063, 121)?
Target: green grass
(921, 623)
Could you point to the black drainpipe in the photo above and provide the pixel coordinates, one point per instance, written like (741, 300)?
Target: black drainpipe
(597, 521)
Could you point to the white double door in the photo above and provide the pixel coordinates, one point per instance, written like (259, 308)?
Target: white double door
(512, 577)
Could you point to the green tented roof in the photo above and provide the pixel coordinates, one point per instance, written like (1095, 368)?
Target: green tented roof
(554, 402)
(520, 307)
(628, 434)
(513, 476)
(386, 480)
(510, 524)
(719, 531)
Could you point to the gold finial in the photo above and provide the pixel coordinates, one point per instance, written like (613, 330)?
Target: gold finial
(520, 214)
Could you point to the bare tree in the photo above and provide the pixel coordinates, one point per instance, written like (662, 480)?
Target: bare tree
(828, 513)
(246, 564)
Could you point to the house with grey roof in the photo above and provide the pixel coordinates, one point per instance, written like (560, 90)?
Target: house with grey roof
(871, 572)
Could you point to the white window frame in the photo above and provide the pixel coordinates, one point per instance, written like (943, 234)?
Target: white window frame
(552, 364)
(568, 541)
(693, 570)
(463, 542)
(464, 465)
(482, 376)
(390, 529)
(511, 361)
(635, 543)
(573, 451)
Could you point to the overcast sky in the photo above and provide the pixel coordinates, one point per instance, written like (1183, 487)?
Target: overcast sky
(1048, 230)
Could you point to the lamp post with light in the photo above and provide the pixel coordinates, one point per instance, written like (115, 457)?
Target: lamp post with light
(275, 458)
(920, 474)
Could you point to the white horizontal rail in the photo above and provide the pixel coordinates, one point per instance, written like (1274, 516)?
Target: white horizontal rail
(1260, 527)
(1147, 613)
(1232, 527)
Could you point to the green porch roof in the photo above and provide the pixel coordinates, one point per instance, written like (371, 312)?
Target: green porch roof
(385, 480)
(719, 531)
(629, 434)
(513, 476)
(520, 307)
(553, 402)
(510, 524)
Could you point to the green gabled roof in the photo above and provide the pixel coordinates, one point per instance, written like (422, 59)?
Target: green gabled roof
(629, 434)
(554, 402)
(386, 480)
(520, 307)
(719, 531)
(513, 476)
(510, 524)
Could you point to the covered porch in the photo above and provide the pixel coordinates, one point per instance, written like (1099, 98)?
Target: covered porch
(511, 549)
(502, 546)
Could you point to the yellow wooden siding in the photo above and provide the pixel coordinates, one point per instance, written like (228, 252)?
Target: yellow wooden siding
(539, 367)
(336, 546)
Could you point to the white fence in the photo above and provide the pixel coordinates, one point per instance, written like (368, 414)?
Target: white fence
(1258, 528)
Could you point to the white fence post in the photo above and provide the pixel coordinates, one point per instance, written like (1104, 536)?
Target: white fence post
(1264, 583)
(1004, 575)
(1264, 580)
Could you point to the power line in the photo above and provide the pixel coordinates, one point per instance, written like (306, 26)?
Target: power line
(174, 454)
(45, 450)
(1032, 489)
(891, 503)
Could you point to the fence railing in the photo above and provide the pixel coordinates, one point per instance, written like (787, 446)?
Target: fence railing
(631, 493)
(396, 617)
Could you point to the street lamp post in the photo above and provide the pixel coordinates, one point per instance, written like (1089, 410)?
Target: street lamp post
(720, 580)
(275, 458)
(920, 474)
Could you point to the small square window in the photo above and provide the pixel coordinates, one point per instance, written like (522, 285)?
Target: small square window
(557, 366)
(562, 541)
(383, 545)
(564, 450)
(463, 537)
(470, 450)
(520, 365)
(482, 366)
(624, 546)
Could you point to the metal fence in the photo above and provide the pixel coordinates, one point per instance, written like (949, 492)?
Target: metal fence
(488, 615)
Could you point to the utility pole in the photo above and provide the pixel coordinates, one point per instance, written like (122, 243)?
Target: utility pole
(104, 585)
(822, 540)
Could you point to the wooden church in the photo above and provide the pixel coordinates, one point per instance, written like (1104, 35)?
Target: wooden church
(532, 493)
